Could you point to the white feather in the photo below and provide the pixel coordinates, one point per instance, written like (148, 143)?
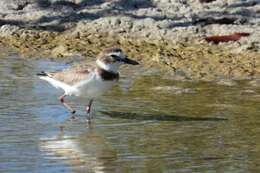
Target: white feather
(93, 86)
(112, 67)
(69, 90)
(85, 82)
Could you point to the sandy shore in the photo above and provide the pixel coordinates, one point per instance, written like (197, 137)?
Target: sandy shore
(169, 34)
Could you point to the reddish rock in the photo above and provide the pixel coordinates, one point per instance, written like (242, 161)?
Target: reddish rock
(206, 1)
(226, 38)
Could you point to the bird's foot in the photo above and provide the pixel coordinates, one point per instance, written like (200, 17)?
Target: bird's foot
(61, 128)
(72, 117)
(88, 118)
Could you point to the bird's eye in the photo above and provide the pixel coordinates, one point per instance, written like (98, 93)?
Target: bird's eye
(117, 58)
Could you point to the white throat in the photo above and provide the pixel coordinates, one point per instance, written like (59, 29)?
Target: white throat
(108, 67)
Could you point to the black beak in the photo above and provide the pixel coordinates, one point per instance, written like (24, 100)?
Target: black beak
(130, 61)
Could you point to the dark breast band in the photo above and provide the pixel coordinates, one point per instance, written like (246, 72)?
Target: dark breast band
(107, 75)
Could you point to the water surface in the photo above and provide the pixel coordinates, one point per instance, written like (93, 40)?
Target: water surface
(147, 124)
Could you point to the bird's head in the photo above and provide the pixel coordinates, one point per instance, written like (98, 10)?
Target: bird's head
(111, 59)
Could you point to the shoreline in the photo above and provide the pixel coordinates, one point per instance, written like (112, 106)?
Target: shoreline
(169, 35)
(194, 60)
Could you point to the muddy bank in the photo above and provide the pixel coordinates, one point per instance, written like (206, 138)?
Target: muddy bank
(167, 34)
(183, 61)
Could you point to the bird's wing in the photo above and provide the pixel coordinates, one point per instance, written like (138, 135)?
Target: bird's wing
(68, 78)
(73, 75)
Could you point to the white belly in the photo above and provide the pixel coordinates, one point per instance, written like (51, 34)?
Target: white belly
(95, 88)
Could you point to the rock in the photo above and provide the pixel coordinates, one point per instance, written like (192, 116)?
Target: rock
(173, 90)
(177, 19)
(61, 51)
(14, 5)
(226, 82)
(207, 1)
(248, 92)
(226, 38)
(8, 30)
(255, 83)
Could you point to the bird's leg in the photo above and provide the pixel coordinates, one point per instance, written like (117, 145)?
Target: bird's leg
(61, 98)
(88, 109)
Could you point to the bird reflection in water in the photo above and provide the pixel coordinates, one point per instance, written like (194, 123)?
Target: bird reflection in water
(88, 152)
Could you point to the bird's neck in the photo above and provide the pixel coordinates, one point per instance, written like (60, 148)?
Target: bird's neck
(113, 68)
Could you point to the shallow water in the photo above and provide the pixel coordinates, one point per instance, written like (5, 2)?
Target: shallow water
(147, 124)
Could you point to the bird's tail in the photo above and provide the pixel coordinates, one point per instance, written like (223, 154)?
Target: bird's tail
(57, 84)
(42, 73)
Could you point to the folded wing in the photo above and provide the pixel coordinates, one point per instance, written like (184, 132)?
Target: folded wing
(68, 78)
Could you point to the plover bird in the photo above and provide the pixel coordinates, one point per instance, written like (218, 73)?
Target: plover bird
(84, 81)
